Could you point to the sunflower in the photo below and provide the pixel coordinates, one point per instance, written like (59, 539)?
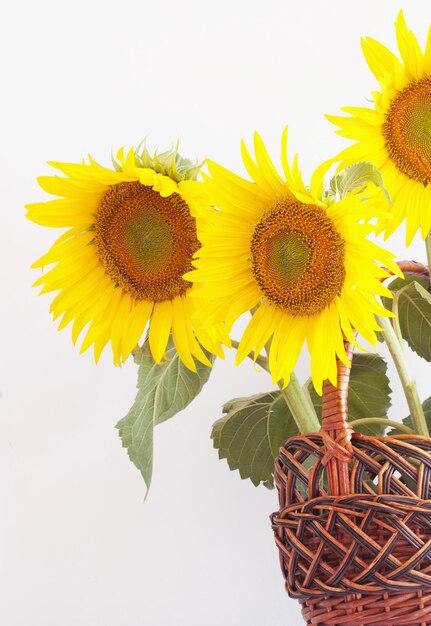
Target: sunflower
(395, 135)
(131, 234)
(293, 256)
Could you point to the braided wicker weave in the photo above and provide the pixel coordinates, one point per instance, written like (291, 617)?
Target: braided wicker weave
(354, 524)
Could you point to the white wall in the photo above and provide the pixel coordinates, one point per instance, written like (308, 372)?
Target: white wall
(78, 547)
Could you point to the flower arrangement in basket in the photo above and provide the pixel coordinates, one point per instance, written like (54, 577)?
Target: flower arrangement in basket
(159, 264)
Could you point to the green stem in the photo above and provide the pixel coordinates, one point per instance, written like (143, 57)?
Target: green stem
(409, 385)
(396, 321)
(428, 249)
(299, 405)
(303, 413)
(383, 420)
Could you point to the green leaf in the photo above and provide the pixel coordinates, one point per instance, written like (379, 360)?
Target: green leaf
(356, 177)
(397, 284)
(369, 392)
(407, 421)
(163, 391)
(414, 315)
(251, 433)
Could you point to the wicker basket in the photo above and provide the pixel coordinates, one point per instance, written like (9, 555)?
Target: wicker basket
(354, 524)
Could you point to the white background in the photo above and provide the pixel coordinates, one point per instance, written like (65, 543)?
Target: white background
(78, 546)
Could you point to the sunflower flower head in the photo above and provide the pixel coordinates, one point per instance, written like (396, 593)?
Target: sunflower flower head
(296, 257)
(395, 134)
(131, 233)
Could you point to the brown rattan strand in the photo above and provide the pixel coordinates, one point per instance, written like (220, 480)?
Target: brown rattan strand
(354, 524)
(415, 268)
(362, 558)
(336, 430)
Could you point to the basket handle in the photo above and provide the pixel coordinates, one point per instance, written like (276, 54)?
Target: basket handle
(336, 431)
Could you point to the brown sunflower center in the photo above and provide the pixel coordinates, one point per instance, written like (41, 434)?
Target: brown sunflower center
(298, 257)
(145, 242)
(407, 130)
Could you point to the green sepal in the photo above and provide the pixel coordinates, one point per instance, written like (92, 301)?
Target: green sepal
(169, 163)
(355, 179)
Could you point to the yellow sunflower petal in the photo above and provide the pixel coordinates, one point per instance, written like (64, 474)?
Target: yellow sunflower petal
(257, 333)
(288, 342)
(266, 166)
(135, 326)
(408, 47)
(427, 54)
(381, 61)
(160, 327)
